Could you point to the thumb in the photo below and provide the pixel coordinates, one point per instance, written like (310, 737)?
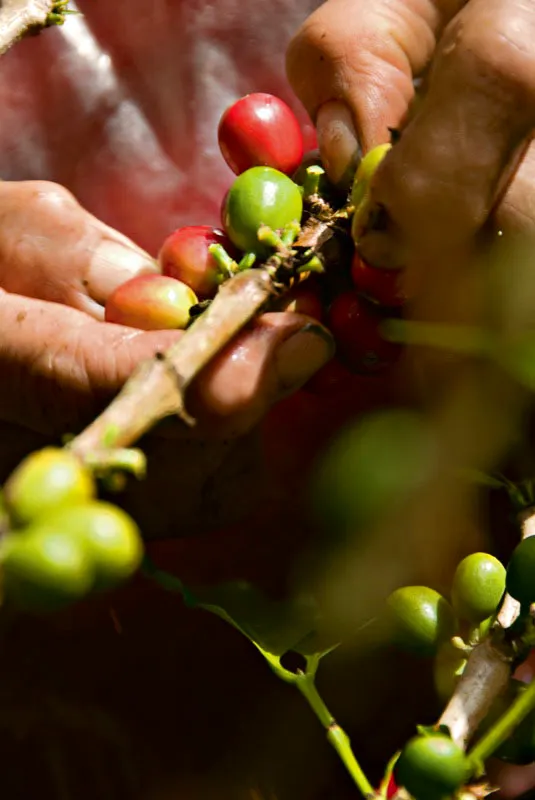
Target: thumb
(352, 65)
(53, 249)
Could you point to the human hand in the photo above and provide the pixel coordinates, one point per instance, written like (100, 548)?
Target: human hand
(353, 64)
(60, 363)
(115, 133)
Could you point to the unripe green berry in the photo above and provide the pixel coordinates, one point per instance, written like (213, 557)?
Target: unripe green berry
(478, 586)
(46, 480)
(109, 535)
(419, 619)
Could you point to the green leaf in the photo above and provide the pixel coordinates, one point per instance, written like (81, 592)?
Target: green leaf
(275, 626)
(481, 478)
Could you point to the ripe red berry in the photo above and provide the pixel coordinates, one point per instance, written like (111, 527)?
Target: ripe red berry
(185, 256)
(305, 298)
(381, 285)
(392, 788)
(259, 130)
(355, 325)
(332, 379)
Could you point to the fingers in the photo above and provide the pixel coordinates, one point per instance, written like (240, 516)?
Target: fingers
(352, 65)
(52, 249)
(274, 358)
(58, 367)
(441, 181)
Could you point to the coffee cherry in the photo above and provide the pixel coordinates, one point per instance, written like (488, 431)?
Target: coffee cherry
(419, 619)
(382, 286)
(151, 303)
(110, 537)
(520, 579)
(447, 669)
(185, 256)
(366, 171)
(260, 196)
(44, 568)
(222, 209)
(305, 298)
(260, 130)
(478, 586)
(431, 767)
(332, 379)
(356, 327)
(391, 789)
(45, 480)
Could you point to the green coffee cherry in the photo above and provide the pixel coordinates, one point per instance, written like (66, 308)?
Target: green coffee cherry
(109, 535)
(431, 767)
(478, 586)
(520, 580)
(44, 481)
(44, 569)
(447, 669)
(419, 619)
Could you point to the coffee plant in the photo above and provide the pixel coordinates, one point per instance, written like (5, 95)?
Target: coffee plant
(289, 240)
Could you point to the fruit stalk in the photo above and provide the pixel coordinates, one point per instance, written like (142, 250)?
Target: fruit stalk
(336, 736)
(157, 388)
(505, 726)
(20, 17)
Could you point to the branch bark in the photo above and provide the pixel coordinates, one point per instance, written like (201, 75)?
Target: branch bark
(19, 17)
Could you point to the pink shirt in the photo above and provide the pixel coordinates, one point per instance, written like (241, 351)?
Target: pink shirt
(121, 105)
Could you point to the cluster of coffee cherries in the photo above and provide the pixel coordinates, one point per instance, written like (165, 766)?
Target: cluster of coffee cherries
(261, 140)
(60, 542)
(421, 620)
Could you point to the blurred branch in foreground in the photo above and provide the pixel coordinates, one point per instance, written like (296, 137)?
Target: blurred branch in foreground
(21, 17)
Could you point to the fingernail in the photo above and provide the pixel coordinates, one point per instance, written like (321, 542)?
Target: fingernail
(301, 356)
(112, 264)
(338, 141)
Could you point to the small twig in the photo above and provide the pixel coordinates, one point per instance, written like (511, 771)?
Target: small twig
(485, 676)
(20, 17)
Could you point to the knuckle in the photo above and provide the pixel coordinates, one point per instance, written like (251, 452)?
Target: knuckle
(50, 198)
(318, 58)
(420, 205)
(499, 46)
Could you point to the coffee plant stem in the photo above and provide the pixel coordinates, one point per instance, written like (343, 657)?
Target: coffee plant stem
(337, 737)
(485, 676)
(504, 727)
